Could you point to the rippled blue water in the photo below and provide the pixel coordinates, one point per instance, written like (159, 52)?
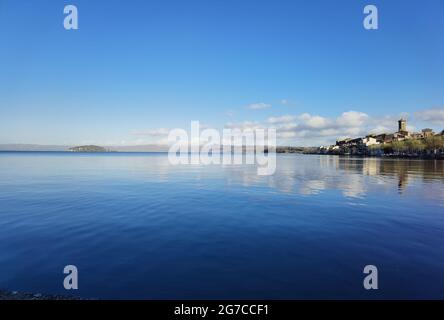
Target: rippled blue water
(137, 227)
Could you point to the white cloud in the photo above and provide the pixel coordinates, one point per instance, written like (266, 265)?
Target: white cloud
(286, 134)
(329, 132)
(287, 126)
(312, 130)
(259, 106)
(281, 119)
(432, 115)
(152, 132)
(379, 129)
(246, 125)
(314, 122)
(352, 119)
(354, 131)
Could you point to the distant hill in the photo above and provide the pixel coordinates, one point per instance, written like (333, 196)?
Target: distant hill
(296, 149)
(88, 149)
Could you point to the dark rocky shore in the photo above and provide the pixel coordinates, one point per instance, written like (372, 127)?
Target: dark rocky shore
(15, 295)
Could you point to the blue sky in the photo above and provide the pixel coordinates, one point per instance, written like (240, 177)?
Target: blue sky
(135, 66)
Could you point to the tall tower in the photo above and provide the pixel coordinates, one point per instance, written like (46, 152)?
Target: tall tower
(402, 125)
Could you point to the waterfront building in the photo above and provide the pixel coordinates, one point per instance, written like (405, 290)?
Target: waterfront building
(427, 133)
(370, 141)
(402, 126)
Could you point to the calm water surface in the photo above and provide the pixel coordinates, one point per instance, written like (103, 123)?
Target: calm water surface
(137, 227)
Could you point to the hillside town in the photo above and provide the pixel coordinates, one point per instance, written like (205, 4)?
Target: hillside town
(403, 143)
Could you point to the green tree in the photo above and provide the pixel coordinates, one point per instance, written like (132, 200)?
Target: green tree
(415, 146)
(399, 146)
(434, 143)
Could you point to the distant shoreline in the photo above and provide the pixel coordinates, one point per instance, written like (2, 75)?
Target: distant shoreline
(403, 157)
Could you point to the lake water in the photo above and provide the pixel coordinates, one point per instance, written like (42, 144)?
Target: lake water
(137, 227)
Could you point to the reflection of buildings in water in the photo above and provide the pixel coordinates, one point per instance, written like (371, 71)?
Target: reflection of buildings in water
(311, 175)
(371, 167)
(379, 167)
(401, 169)
(403, 179)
